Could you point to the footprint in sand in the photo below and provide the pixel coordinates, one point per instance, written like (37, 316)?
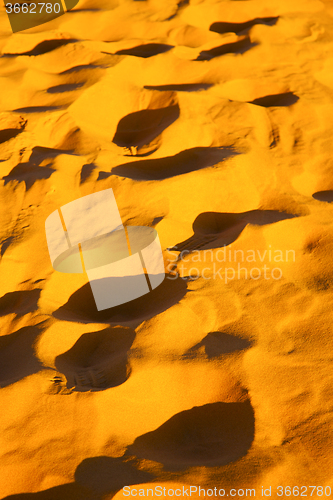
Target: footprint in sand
(216, 344)
(209, 435)
(214, 229)
(98, 360)
(81, 305)
(186, 161)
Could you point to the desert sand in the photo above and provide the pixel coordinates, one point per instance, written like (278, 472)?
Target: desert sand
(212, 123)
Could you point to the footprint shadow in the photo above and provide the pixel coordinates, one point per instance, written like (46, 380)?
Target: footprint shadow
(107, 474)
(81, 305)
(277, 100)
(142, 127)
(216, 344)
(98, 360)
(86, 171)
(211, 435)
(94, 478)
(44, 47)
(31, 171)
(145, 50)
(171, 166)
(9, 133)
(17, 355)
(28, 173)
(38, 109)
(215, 229)
(66, 87)
(20, 302)
(324, 196)
(180, 87)
(222, 27)
(40, 153)
(239, 47)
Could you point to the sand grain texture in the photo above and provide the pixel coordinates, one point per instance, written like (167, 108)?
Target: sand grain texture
(212, 122)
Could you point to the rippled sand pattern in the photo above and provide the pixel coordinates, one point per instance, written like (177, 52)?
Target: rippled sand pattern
(212, 122)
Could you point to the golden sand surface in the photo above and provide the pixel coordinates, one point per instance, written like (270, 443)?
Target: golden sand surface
(212, 122)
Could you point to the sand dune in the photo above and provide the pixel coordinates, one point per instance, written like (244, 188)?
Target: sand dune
(211, 121)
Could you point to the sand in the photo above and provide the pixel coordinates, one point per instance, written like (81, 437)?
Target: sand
(212, 123)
